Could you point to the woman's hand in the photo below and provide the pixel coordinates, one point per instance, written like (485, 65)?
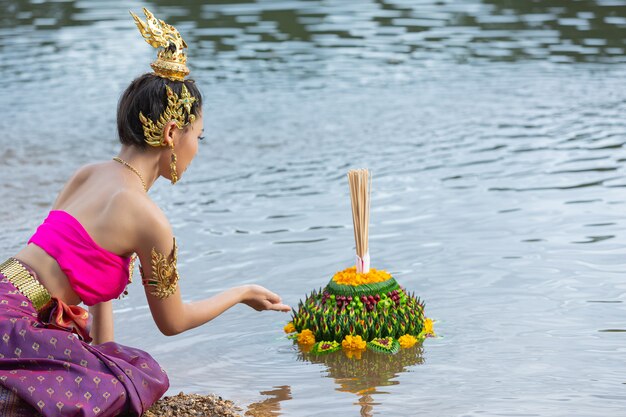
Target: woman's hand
(260, 298)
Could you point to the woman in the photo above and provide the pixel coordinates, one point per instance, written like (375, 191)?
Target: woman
(85, 248)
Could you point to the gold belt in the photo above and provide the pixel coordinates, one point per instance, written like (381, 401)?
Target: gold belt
(25, 282)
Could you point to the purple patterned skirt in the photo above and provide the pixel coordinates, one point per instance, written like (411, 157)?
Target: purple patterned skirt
(57, 374)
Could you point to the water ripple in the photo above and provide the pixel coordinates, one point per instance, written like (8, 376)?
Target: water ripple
(495, 134)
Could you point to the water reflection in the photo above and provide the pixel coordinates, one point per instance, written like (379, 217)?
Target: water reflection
(496, 131)
(363, 377)
(270, 407)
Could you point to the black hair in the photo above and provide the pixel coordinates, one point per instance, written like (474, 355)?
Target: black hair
(147, 94)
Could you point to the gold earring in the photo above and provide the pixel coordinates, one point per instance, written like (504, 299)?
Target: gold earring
(173, 173)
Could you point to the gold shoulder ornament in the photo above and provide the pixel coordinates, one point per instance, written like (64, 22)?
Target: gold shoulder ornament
(164, 277)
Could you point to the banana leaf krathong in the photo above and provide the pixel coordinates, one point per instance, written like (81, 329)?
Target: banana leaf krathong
(376, 312)
(361, 307)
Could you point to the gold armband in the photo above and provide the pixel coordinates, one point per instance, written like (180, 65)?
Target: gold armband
(164, 273)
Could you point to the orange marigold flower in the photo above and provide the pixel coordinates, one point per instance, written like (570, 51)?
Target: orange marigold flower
(429, 328)
(349, 276)
(407, 341)
(306, 337)
(289, 328)
(353, 343)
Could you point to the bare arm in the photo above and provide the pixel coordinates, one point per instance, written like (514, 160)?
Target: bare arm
(102, 324)
(171, 315)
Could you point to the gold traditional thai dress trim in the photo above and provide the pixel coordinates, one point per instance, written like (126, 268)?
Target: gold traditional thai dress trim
(164, 277)
(131, 270)
(131, 267)
(25, 282)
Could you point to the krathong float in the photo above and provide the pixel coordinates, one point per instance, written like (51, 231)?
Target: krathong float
(361, 308)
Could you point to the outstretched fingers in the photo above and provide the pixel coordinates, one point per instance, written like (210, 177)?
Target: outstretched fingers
(261, 298)
(276, 303)
(272, 297)
(279, 307)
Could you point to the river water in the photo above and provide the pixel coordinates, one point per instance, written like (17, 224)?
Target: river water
(495, 133)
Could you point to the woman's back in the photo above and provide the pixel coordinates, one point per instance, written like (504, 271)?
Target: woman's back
(102, 199)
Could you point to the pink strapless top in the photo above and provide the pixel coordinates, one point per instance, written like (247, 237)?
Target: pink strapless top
(95, 274)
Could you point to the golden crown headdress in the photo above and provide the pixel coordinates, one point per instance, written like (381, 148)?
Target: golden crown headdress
(170, 64)
(171, 60)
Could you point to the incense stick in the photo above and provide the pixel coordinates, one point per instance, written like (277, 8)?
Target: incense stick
(360, 188)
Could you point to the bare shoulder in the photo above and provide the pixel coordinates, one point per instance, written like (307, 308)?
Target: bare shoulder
(141, 214)
(85, 171)
(78, 178)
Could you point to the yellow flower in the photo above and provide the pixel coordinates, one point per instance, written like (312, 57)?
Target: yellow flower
(306, 337)
(429, 328)
(353, 343)
(349, 276)
(289, 328)
(407, 341)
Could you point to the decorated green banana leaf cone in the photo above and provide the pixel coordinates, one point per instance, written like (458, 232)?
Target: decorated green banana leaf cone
(361, 308)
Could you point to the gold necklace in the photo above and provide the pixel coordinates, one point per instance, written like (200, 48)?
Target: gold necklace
(129, 166)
